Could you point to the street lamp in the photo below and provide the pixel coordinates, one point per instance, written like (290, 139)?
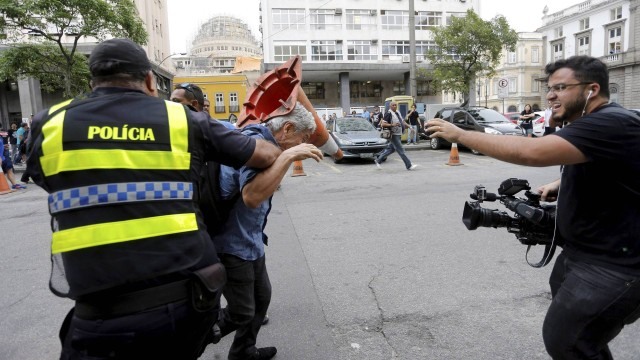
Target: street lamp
(168, 56)
(163, 83)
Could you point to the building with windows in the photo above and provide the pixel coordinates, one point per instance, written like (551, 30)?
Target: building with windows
(226, 93)
(606, 29)
(517, 79)
(218, 43)
(355, 53)
(20, 98)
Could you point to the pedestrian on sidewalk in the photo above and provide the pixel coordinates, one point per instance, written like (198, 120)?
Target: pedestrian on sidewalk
(393, 120)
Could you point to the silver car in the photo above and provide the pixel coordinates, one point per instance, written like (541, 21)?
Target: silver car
(356, 137)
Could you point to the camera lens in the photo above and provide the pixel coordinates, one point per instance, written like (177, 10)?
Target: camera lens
(474, 216)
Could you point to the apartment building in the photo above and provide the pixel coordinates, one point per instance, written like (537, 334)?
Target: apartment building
(522, 69)
(355, 53)
(606, 29)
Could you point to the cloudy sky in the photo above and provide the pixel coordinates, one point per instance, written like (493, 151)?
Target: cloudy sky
(185, 16)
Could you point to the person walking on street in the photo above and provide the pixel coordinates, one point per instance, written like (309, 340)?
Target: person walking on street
(129, 244)
(414, 123)
(242, 239)
(393, 120)
(595, 281)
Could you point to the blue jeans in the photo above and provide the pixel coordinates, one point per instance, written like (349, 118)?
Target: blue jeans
(590, 306)
(395, 144)
(412, 134)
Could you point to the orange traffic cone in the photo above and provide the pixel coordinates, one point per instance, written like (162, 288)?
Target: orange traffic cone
(454, 159)
(4, 185)
(297, 169)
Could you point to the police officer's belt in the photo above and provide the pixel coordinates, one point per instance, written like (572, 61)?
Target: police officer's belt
(133, 302)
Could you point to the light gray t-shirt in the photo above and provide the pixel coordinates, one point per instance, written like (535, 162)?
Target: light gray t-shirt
(395, 119)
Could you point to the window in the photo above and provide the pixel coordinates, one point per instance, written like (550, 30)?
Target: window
(452, 15)
(616, 13)
(511, 57)
(284, 50)
(219, 103)
(326, 50)
(558, 32)
(425, 88)
(288, 18)
(422, 48)
(535, 84)
(428, 19)
(322, 19)
(313, 90)
(393, 50)
(535, 54)
(398, 88)
(557, 50)
(397, 20)
(361, 19)
(361, 50)
(583, 24)
(513, 85)
(233, 102)
(614, 40)
(365, 89)
(583, 45)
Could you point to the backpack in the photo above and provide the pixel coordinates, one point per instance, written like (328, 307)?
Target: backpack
(215, 210)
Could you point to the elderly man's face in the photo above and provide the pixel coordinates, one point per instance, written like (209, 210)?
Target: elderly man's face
(290, 137)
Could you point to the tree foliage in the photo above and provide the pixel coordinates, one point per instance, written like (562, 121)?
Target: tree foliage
(42, 38)
(469, 47)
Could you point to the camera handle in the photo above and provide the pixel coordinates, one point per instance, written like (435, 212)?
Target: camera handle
(549, 250)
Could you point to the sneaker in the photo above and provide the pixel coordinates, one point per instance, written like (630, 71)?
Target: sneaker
(18, 187)
(265, 353)
(413, 167)
(378, 164)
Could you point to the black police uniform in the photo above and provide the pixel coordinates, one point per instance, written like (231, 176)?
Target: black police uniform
(129, 244)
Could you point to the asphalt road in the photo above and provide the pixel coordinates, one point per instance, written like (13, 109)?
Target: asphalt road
(364, 263)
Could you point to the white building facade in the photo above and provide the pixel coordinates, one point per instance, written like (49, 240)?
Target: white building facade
(606, 29)
(355, 53)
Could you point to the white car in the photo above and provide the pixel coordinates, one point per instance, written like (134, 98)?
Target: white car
(538, 124)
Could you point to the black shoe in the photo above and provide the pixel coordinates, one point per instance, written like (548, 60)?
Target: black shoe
(265, 321)
(265, 353)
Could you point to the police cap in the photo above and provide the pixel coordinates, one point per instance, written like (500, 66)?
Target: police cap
(118, 56)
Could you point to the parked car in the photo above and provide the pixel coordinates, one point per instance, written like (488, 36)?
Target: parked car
(538, 121)
(356, 137)
(475, 119)
(514, 117)
(538, 124)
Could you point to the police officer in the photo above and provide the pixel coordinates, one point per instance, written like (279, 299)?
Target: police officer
(129, 245)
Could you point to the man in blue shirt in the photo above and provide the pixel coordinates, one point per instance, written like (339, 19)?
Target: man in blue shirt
(240, 244)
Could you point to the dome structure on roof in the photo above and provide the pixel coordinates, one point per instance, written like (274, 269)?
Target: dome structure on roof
(225, 36)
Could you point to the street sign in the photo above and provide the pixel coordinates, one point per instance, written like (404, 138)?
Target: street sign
(503, 88)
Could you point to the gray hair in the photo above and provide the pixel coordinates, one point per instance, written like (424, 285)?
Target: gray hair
(300, 117)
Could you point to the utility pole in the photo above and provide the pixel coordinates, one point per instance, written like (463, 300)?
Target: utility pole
(412, 49)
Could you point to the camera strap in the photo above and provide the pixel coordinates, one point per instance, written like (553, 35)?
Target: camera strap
(549, 250)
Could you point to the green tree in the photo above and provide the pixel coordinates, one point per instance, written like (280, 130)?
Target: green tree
(467, 48)
(42, 38)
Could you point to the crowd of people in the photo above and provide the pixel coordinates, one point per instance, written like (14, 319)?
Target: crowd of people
(135, 198)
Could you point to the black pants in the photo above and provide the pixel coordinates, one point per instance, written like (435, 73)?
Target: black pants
(590, 307)
(248, 294)
(172, 331)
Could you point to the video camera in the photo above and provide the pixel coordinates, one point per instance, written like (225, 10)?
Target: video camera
(532, 223)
